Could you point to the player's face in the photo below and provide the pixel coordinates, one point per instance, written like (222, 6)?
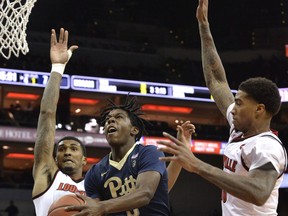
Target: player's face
(118, 128)
(244, 112)
(69, 157)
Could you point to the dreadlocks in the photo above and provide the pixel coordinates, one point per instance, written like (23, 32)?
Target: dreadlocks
(134, 111)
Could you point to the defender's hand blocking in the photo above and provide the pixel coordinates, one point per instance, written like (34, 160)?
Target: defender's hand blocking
(180, 148)
(59, 49)
(185, 131)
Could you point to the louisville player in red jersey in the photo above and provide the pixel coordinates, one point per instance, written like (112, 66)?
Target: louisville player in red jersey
(254, 159)
(55, 176)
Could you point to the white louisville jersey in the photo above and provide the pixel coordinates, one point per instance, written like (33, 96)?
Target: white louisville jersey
(242, 155)
(61, 185)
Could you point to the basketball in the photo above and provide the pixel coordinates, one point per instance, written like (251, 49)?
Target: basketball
(58, 207)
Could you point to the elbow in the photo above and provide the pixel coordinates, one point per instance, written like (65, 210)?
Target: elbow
(259, 202)
(48, 107)
(260, 199)
(146, 197)
(47, 112)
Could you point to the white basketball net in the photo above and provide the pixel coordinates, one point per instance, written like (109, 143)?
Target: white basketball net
(14, 16)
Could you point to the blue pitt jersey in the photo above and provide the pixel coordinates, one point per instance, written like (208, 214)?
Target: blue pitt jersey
(109, 179)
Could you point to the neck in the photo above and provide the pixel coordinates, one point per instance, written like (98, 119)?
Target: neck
(76, 175)
(118, 152)
(253, 131)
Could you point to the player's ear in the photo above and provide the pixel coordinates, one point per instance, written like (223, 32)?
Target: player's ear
(56, 161)
(84, 160)
(260, 108)
(134, 130)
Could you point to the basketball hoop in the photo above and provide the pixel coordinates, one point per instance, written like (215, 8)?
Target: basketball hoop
(14, 16)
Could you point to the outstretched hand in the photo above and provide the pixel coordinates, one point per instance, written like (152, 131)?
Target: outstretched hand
(185, 131)
(59, 48)
(202, 12)
(180, 148)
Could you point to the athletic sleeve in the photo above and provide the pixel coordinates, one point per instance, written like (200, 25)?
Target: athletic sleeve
(268, 150)
(149, 160)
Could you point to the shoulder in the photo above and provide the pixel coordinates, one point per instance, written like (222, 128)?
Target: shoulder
(265, 145)
(268, 140)
(147, 149)
(103, 161)
(269, 136)
(271, 145)
(262, 145)
(268, 148)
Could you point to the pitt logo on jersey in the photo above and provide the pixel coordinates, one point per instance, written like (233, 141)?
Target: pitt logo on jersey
(117, 189)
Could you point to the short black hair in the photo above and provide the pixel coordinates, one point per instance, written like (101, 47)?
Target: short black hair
(263, 91)
(134, 111)
(69, 138)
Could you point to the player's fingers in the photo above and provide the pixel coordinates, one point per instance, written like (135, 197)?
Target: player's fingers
(65, 37)
(173, 139)
(72, 48)
(166, 143)
(190, 127)
(53, 39)
(70, 51)
(61, 35)
(182, 133)
(75, 208)
(168, 150)
(81, 196)
(193, 127)
(185, 123)
(167, 159)
(201, 2)
(180, 130)
(80, 214)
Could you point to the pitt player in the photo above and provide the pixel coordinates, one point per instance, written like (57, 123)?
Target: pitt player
(131, 180)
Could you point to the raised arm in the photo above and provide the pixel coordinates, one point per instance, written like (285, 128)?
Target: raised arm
(184, 134)
(44, 165)
(213, 69)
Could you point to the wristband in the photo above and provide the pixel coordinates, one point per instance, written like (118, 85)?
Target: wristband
(59, 67)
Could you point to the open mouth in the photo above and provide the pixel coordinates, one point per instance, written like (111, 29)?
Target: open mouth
(111, 130)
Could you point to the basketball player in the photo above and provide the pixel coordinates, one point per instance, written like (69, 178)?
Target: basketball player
(53, 180)
(131, 180)
(61, 174)
(254, 159)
